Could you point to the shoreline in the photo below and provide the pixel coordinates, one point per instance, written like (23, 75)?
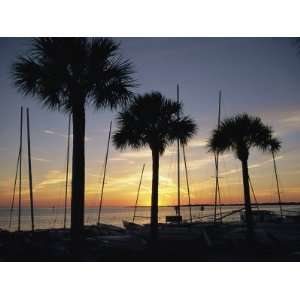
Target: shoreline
(207, 242)
(172, 206)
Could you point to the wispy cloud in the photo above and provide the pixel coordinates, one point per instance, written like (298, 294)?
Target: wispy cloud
(232, 171)
(295, 190)
(48, 131)
(40, 159)
(292, 120)
(146, 153)
(289, 123)
(118, 159)
(124, 184)
(52, 178)
(252, 166)
(136, 154)
(198, 163)
(51, 132)
(198, 143)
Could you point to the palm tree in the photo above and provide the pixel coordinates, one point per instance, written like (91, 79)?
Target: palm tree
(67, 74)
(153, 121)
(239, 134)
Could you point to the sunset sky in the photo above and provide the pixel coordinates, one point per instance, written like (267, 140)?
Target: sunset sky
(260, 76)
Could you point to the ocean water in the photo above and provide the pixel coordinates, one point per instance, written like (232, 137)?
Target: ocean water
(53, 217)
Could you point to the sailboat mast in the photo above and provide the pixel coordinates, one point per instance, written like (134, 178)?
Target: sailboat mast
(219, 112)
(178, 163)
(187, 182)
(138, 193)
(30, 170)
(277, 184)
(104, 173)
(67, 172)
(20, 171)
(217, 188)
(252, 189)
(14, 192)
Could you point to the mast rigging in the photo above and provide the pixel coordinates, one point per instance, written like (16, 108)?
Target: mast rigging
(138, 194)
(67, 172)
(178, 165)
(104, 174)
(216, 156)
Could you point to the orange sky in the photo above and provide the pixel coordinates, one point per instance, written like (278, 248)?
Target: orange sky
(124, 169)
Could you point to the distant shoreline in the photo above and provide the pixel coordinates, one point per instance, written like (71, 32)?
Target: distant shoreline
(184, 205)
(226, 204)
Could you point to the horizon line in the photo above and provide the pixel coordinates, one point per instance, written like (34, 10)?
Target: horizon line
(185, 205)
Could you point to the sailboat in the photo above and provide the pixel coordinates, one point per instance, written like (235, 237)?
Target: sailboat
(132, 225)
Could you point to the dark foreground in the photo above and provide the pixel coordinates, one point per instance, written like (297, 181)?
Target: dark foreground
(223, 242)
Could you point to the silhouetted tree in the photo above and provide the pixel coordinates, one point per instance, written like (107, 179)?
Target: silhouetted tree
(67, 74)
(153, 121)
(239, 134)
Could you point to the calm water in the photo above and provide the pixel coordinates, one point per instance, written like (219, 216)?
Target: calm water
(53, 217)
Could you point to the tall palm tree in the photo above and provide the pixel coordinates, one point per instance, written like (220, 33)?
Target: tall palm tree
(153, 121)
(67, 74)
(239, 134)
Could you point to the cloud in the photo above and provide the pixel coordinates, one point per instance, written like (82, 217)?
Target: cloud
(198, 163)
(293, 120)
(136, 154)
(146, 153)
(232, 171)
(48, 131)
(118, 159)
(197, 143)
(41, 159)
(52, 178)
(253, 166)
(295, 190)
(117, 184)
(289, 123)
(51, 132)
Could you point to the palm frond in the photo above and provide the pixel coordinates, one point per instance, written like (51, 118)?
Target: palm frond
(110, 77)
(152, 120)
(64, 71)
(274, 145)
(240, 133)
(26, 73)
(183, 129)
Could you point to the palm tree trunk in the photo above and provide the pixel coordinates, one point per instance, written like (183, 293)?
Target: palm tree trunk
(154, 196)
(247, 200)
(78, 176)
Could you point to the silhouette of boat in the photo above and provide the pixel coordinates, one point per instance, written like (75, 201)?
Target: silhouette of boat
(261, 216)
(131, 226)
